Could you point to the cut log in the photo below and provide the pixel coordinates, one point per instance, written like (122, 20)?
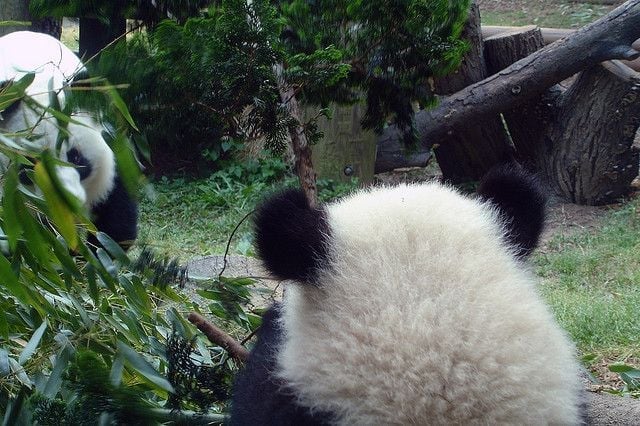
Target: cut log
(589, 153)
(467, 153)
(526, 121)
(580, 140)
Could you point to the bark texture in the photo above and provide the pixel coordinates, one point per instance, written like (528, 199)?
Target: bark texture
(467, 152)
(303, 162)
(525, 121)
(579, 139)
(95, 35)
(14, 10)
(590, 157)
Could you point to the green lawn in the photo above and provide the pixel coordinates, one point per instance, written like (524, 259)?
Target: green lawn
(592, 281)
(543, 13)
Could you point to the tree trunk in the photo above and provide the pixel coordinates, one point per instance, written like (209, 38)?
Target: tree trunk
(549, 35)
(18, 10)
(303, 162)
(591, 159)
(14, 10)
(48, 25)
(579, 140)
(526, 121)
(96, 35)
(469, 151)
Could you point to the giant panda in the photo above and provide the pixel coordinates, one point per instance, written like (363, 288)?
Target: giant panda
(93, 179)
(408, 305)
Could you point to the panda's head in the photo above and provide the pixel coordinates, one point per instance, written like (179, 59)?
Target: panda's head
(89, 169)
(53, 64)
(298, 242)
(408, 305)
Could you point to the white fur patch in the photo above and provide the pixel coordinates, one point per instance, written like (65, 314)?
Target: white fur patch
(53, 63)
(425, 318)
(87, 138)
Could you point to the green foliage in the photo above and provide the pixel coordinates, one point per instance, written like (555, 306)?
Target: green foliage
(82, 324)
(149, 11)
(92, 398)
(209, 209)
(201, 87)
(205, 86)
(202, 385)
(386, 50)
(631, 378)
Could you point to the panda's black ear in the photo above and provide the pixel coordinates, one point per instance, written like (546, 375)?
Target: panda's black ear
(521, 199)
(290, 236)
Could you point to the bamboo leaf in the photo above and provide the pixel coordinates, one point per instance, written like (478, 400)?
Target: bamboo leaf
(112, 247)
(10, 198)
(54, 383)
(15, 91)
(33, 343)
(11, 283)
(117, 101)
(5, 368)
(137, 362)
(126, 161)
(117, 368)
(59, 210)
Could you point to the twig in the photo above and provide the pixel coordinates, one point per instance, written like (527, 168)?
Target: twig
(219, 337)
(226, 251)
(249, 336)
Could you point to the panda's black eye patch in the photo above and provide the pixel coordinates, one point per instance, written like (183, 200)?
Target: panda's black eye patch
(83, 166)
(23, 175)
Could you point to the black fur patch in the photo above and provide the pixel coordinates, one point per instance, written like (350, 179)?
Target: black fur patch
(521, 199)
(259, 398)
(290, 236)
(83, 166)
(117, 216)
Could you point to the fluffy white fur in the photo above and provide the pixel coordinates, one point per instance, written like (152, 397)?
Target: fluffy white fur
(54, 66)
(86, 136)
(426, 318)
(53, 63)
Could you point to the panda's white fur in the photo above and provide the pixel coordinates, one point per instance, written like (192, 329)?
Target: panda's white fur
(416, 311)
(86, 136)
(54, 65)
(426, 317)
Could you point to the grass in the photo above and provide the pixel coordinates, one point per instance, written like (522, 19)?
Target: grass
(592, 282)
(549, 13)
(192, 218)
(186, 219)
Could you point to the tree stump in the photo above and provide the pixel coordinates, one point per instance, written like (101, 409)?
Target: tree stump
(468, 152)
(579, 139)
(526, 121)
(592, 159)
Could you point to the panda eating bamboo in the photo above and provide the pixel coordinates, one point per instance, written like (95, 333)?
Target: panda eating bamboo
(94, 179)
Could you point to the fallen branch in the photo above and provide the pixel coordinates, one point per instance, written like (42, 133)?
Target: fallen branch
(219, 337)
